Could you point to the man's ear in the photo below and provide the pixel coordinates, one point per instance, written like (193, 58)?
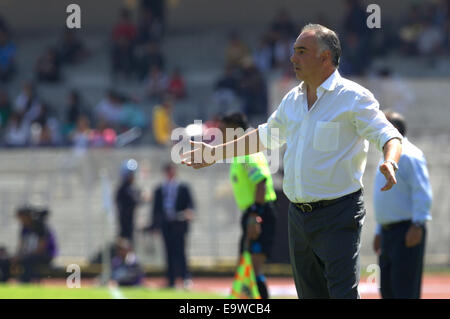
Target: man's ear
(325, 55)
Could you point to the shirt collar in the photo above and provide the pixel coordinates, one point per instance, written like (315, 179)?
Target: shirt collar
(329, 84)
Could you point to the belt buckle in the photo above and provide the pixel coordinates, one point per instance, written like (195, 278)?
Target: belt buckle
(306, 208)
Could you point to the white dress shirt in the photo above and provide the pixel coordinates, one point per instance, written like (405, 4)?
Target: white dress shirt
(326, 146)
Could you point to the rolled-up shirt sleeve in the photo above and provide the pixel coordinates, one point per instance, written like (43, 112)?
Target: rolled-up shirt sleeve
(272, 134)
(371, 123)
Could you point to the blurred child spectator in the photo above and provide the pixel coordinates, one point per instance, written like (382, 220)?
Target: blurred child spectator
(5, 108)
(48, 67)
(70, 48)
(7, 57)
(157, 83)
(126, 270)
(37, 244)
(177, 85)
(236, 50)
(162, 121)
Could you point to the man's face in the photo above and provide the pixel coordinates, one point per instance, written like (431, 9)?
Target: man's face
(170, 173)
(305, 58)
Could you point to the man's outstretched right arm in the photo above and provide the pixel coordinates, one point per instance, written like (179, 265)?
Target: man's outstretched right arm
(205, 155)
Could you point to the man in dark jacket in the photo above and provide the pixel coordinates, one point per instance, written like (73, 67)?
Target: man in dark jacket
(172, 211)
(127, 198)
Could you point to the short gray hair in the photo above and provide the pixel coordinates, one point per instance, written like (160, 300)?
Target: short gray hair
(327, 40)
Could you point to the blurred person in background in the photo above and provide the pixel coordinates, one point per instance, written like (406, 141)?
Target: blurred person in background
(122, 52)
(17, 131)
(226, 91)
(263, 56)
(236, 50)
(255, 197)
(37, 244)
(5, 108)
(127, 199)
(28, 99)
(126, 270)
(357, 56)
(177, 85)
(109, 109)
(401, 216)
(48, 67)
(156, 83)
(131, 115)
(7, 57)
(74, 109)
(173, 210)
(149, 27)
(103, 135)
(157, 8)
(162, 121)
(4, 265)
(252, 89)
(70, 48)
(80, 136)
(283, 26)
(147, 56)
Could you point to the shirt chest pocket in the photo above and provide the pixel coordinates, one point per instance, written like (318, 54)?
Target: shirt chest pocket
(326, 136)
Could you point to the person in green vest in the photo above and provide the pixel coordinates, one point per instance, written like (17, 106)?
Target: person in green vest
(255, 197)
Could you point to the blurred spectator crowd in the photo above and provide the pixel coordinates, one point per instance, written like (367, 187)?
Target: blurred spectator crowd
(424, 31)
(136, 55)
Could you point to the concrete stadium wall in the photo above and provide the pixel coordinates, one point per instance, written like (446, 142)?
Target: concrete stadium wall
(70, 181)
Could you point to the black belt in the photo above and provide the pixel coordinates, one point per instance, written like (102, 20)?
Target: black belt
(392, 225)
(309, 207)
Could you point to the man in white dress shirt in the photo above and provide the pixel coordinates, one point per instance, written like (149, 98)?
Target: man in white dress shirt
(326, 122)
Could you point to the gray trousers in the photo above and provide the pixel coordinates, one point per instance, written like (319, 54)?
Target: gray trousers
(324, 249)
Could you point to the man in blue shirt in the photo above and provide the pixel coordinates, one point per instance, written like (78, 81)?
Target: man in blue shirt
(401, 215)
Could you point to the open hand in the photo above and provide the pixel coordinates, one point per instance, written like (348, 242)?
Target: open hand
(388, 171)
(203, 155)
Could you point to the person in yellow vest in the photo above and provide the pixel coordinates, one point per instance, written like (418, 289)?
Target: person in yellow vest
(162, 121)
(255, 197)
